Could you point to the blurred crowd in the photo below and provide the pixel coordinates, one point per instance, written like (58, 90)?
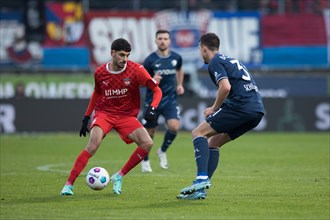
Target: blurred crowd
(264, 6)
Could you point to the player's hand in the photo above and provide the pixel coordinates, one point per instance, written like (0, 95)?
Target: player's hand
(179, 90)
(84, 127)
(150, 114)
(158, 77)
(208, 111)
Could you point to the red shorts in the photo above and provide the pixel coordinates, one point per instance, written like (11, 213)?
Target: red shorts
(123, 124)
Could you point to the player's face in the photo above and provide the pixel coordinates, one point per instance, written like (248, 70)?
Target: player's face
(202, 50)
(163, 41)
(119, 58)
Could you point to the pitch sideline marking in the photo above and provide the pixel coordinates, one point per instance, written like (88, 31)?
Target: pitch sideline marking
(55, 168)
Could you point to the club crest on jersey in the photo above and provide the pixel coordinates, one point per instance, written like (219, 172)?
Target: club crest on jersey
(174, 62)
(127, 81)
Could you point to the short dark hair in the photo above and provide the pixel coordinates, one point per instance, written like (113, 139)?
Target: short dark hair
(121, 44)
(210, 40)
(163, 31)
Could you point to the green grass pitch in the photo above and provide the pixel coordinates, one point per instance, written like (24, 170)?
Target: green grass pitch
(260, 176)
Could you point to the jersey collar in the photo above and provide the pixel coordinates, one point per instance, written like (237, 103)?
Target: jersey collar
(115, 72)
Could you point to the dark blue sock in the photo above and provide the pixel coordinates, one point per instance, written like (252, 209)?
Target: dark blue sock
(213, 161)
(201, 155)
(146, 158)
(168, 139)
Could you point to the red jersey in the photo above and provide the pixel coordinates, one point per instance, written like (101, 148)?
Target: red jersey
(118, 93)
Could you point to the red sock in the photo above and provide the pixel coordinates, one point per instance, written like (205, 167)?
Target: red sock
(134, 160)
(78, 166)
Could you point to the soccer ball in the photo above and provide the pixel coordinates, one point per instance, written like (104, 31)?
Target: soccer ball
(97, 178)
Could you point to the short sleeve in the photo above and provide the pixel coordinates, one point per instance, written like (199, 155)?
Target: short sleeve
(218, 71)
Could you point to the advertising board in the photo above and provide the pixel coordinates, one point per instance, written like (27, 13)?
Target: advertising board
(36, 115)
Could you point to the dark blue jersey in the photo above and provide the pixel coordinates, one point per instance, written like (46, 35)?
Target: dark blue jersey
(166, 67)
(244, 95)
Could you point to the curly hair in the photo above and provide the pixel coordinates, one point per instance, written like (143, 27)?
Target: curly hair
(121, 44)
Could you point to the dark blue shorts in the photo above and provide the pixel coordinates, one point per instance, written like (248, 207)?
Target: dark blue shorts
(171, 111)
(233, 122)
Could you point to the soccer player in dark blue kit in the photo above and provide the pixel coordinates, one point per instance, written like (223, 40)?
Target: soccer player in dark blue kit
(165, 66)
(237, 108)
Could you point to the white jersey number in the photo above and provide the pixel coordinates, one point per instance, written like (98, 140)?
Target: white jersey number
(246, 75)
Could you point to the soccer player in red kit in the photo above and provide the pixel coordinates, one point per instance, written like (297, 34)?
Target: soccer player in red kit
(116, 102)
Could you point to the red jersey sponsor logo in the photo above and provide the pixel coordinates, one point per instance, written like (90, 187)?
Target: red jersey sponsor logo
(115, 93)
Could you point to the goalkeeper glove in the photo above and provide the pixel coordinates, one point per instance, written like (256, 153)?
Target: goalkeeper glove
(84, 127)
(150, 114)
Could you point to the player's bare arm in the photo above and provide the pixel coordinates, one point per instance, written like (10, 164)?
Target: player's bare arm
(180, 76)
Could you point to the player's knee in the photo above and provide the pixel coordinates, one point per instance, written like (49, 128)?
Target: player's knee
(195, 133)
(147, 145)
(92, 147)
(174, 126)
(174, 129)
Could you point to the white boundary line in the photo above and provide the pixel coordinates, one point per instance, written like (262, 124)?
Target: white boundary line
(56, 167)
(59, 168)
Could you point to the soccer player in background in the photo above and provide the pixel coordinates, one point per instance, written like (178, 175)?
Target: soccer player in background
(165, 66)
(116, 101)
(237, 108)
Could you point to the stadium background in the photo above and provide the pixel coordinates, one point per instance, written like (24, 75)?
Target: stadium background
(49, 49)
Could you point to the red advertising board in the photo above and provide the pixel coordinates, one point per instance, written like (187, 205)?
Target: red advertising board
(292, 30)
